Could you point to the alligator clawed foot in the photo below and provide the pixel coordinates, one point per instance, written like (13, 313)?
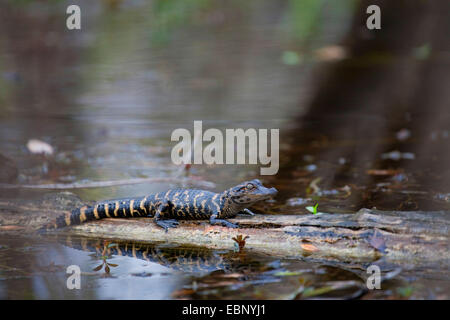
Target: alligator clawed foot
(166, 224)
(223, 223)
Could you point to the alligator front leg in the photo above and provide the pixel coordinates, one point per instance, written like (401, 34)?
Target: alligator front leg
(213, 220)
(159, 215)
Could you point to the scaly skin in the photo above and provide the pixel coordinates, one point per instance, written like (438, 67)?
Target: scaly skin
(173, 205)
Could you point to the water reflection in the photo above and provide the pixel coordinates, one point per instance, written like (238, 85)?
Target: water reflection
(34, 268)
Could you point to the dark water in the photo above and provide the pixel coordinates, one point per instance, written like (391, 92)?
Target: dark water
(39, 270)
(108, 97)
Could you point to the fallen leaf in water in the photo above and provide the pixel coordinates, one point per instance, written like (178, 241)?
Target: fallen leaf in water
(38, 146)
(384, 172)
(331, 53)
(308, 247)
(11, 227)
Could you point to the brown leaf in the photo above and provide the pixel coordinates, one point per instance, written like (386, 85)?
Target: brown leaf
(331, 53)
(383, 172)
(308, 247)
(98, 267)
(240, 240)
(11, 227)
(107, 270)
(112, 265)
(231, 275)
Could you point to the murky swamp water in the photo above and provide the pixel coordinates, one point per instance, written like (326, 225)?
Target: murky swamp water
(107, 100)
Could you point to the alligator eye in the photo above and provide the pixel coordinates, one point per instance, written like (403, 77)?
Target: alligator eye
(250, 186)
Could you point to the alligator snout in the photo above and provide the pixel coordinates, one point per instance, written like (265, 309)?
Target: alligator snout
(273, 191)
(270, 192)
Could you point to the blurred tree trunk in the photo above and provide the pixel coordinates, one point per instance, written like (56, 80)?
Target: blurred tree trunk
(394, 78)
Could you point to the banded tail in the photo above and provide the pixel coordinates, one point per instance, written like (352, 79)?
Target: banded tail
(128, 208)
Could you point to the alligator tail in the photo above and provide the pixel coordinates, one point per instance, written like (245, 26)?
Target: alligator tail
(129, 208)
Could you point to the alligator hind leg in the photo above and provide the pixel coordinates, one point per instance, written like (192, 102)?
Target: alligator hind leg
(164, 223)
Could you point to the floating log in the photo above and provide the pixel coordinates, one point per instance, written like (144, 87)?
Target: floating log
(417, 238)
(399, 237)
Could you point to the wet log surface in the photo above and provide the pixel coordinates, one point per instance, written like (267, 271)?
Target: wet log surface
(399, 237)
(418, 238)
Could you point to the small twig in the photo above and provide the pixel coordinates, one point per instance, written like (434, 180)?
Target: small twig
(187, 158)
(314, 187)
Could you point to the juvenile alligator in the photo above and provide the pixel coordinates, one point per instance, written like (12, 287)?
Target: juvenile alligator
(168, 207)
